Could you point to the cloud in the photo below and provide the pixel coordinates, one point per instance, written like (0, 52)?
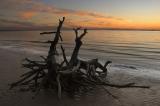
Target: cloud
(16, 23)
(15, 4)
(27, 14)
(21, 25)
(28, 8)
(40, 7)
(33, 11)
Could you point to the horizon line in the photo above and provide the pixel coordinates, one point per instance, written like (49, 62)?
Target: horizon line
(128, 29)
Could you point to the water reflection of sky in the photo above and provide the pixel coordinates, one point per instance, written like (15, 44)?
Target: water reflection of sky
(134, 47)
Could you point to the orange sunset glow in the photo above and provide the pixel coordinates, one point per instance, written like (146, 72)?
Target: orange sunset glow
(104, 14)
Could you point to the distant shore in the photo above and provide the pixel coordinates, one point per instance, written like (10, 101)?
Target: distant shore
(69, 29)
(10, 70)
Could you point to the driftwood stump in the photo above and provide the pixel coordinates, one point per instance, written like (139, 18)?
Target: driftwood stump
(68, 75)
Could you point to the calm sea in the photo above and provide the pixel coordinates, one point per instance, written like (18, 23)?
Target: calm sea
(129, 48)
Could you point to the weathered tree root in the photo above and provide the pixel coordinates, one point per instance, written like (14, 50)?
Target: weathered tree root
(68, 75)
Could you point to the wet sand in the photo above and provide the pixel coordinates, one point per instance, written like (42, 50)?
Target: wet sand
(10, 70)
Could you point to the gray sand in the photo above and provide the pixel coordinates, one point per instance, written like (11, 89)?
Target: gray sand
(10, 70)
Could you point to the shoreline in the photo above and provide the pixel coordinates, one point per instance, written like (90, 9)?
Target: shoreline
(11, 70)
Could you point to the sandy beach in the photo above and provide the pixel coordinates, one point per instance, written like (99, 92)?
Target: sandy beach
(11, 69)
(80, 53)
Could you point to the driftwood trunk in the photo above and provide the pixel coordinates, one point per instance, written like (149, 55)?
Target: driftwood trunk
(69, 75)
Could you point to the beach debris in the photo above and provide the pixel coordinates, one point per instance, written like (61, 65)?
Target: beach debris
(70, 75)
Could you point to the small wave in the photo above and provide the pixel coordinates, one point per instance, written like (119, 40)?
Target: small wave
(126, 66)
(136, 71)
(119, 52)
(27, 50)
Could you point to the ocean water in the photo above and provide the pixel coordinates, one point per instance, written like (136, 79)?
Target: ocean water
(126, 49)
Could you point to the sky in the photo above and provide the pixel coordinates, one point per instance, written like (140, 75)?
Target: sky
(97, 14)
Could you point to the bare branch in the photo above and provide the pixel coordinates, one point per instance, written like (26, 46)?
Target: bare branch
(64, 55)
(47, 33)
(76, 31)
(78, 41)
(59, 86)
(83, 34)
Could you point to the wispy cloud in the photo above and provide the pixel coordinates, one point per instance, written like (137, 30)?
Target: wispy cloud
(21, 25)
(27, 14)
(33, 10)
(16, 23)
